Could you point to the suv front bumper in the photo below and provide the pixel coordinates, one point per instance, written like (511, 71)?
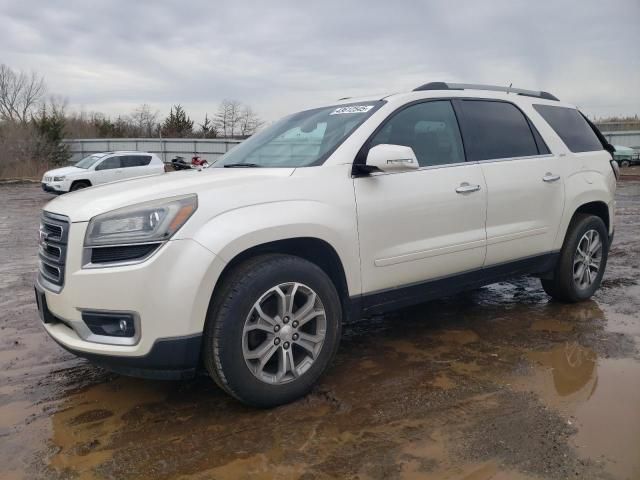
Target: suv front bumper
(54, 187)
(168, 359)
(168, 293)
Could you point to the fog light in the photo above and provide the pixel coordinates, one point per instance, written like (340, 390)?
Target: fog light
(110, 324)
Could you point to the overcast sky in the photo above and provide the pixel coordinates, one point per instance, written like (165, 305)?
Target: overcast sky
(280, 56)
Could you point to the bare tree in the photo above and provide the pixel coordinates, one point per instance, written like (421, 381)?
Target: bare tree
(145, 120)
(20, 94)
(248, 122)
(227, 118)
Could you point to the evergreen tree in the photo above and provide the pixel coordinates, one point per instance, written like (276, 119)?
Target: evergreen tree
(49, 125)
(177, 124)
(207, 128)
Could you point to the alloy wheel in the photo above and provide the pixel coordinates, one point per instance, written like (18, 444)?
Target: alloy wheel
(587, 259)
(284, 333)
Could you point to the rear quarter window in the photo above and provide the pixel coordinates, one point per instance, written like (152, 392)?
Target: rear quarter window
(571, 127)
(135, 160)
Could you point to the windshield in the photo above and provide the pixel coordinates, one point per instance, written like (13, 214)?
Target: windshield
(86, 162)
(302, 139)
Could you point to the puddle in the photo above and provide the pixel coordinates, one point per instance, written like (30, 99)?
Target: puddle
(444, 382)
(460, 337)
(608, 422)
(600, 398)
(84, 428)
(572, 371)
(258, 467)
(551, 325)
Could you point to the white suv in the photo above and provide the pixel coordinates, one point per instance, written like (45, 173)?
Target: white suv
(101, 168)
(249, 268)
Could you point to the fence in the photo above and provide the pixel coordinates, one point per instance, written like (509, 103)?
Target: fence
(628, 138)
(212, 149)
(165, 148)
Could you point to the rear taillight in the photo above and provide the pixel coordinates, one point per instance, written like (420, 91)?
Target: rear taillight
(616, 169)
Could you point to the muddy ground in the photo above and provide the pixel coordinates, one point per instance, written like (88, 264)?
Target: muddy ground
(498, 383)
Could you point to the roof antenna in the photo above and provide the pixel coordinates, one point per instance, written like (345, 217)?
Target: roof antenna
(510, 85)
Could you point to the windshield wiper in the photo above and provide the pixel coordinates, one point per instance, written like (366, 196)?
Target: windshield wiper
(242, 165)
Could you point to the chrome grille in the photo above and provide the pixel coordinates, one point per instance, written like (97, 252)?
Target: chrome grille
(53, 238)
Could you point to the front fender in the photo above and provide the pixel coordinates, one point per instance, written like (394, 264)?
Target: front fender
(232, 232)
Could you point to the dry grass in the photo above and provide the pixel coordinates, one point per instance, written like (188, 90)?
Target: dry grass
(28, 169)
(19, 153)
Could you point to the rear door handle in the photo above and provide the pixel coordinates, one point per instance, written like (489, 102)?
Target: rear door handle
(466, 187)
(550, 177)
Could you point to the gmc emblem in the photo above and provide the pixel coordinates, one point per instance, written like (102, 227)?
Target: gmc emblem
(42, 237)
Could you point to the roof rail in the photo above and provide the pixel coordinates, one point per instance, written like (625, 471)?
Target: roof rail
(493, 88)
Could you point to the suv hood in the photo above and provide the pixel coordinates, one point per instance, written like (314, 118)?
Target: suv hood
(64, 171)
(209, 183)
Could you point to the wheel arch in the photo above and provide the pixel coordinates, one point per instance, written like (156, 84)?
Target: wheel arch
(315, 250)
(80, 180)
(597, 208)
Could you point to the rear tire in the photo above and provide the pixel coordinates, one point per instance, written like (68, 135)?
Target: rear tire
(264, 341)
(79, 185)
(582, 261)
(625, 163)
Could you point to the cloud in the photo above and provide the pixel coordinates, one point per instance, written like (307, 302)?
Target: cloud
(281, 56)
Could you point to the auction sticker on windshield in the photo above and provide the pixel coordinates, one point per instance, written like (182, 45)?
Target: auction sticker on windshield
(352, 109)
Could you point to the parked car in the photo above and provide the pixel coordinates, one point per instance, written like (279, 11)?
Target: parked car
(101, 168)
(626, 156)
(250, 267)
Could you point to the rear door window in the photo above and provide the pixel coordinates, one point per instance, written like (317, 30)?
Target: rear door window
(497, 130)
(571, 127)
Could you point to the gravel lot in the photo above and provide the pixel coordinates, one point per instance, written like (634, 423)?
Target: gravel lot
(498, 383)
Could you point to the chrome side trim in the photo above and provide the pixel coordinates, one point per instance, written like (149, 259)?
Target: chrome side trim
(509, 159)
(420, 169)
(459, 164)
(433, 252)
(516, 235)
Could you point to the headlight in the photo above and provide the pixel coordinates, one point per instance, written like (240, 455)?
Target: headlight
(58, 179)
(154, 221)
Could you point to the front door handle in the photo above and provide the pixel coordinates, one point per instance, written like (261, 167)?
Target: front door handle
(550, 177)
(466, 187)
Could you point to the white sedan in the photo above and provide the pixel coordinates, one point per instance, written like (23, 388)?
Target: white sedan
(101, 168)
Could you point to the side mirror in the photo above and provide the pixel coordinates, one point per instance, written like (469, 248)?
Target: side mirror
(391, 158)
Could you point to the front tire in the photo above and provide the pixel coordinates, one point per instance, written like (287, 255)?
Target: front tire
(272, 329)
(79, 186)
(582, 262)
